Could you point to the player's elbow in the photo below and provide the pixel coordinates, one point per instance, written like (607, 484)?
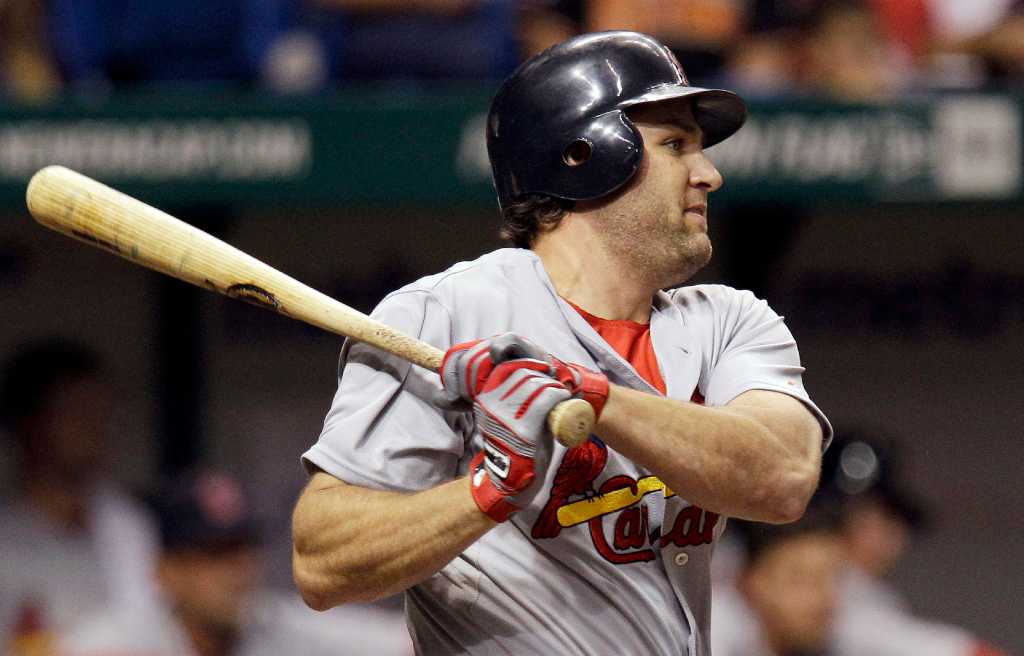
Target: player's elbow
(794, 479)
(310, 586)
(315, 600)
(789, 511)
(792, 494)
(321, 593)
(322, 590)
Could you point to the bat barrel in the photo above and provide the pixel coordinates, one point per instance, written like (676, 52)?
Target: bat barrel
(89, 211)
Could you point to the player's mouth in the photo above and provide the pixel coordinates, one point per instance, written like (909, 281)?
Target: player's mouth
(698, 211)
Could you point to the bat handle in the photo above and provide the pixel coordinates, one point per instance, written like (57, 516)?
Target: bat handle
(572, 422)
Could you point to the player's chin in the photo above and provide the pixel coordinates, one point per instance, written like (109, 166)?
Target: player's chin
(699, 249)
(693, 255)
(696, 222)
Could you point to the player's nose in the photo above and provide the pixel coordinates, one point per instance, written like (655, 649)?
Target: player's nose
(704, 174)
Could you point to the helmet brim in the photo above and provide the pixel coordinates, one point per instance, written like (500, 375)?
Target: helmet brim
(718, 112)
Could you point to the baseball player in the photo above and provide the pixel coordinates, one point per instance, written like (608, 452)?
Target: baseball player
(210, 599)
(784, 601)
(880, 519)
(453, 490)
(71, 539)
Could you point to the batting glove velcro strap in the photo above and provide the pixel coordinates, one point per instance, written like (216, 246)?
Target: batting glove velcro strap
(582, 383)
(511, 414)
(488, 499)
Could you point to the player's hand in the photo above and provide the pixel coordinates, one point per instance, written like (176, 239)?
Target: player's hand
(466, 366)
(511, 413)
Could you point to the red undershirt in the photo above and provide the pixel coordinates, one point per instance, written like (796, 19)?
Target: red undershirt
(631, 340)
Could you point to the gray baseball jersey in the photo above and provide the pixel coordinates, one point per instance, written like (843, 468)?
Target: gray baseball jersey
(61, 575)
(873, 619)
(869, 620)
(735, 628)
(606, 559)
(275, 624)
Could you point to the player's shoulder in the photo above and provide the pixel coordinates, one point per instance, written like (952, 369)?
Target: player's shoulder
(491, 275)
(711, 299)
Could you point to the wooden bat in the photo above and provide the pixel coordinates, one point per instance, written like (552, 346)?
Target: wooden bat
(89, 211)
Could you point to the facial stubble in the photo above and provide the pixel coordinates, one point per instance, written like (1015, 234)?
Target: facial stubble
(654, 248)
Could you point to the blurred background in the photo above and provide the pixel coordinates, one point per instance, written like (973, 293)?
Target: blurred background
(874, 198)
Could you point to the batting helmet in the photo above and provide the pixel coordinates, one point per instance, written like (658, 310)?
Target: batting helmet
(558, 125)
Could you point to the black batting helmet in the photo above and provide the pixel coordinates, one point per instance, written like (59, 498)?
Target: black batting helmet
(558, 124)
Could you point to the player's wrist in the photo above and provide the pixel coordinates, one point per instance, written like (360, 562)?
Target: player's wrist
(593, 389)
(614, 414)
(587, 384)
(487, 497)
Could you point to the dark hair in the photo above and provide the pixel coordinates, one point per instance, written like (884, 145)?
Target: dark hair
(523, 220)
(35, 370)
(821, 516)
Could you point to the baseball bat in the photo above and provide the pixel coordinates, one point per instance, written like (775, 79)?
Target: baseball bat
(89, 211)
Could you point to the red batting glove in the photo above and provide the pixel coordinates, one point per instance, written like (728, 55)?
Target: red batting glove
(582, 383)
(466, 366)
(511, 413)
(463, 371)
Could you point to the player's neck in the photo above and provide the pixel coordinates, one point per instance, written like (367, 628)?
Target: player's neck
(584, 273)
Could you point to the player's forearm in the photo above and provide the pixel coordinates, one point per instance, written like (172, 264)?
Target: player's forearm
(721, 459)
(355, 544)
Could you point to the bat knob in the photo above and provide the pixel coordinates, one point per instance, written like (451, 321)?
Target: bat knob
(572, 422)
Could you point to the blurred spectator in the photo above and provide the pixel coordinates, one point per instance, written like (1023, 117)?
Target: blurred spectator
(849, 56)
(907, 26)
(784, 599)
(765, 61)
(879, 519)
(424, 40)
(700, 32)
(985, 34)
(851, 50)
(764, 64)
(71, 541)
(130, 42)
(211, 598)
(956, 19)
(543, 23)
(27, 68)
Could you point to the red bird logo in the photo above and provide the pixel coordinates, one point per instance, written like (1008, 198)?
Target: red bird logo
(580, 466)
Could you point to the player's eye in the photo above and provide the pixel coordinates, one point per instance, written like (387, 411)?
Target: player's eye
(675, 144)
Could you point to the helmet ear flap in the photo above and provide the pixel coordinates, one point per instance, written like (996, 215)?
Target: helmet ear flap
(600, 158)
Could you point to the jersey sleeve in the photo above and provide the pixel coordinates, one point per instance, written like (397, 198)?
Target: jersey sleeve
(751, 348)
(382, 430)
